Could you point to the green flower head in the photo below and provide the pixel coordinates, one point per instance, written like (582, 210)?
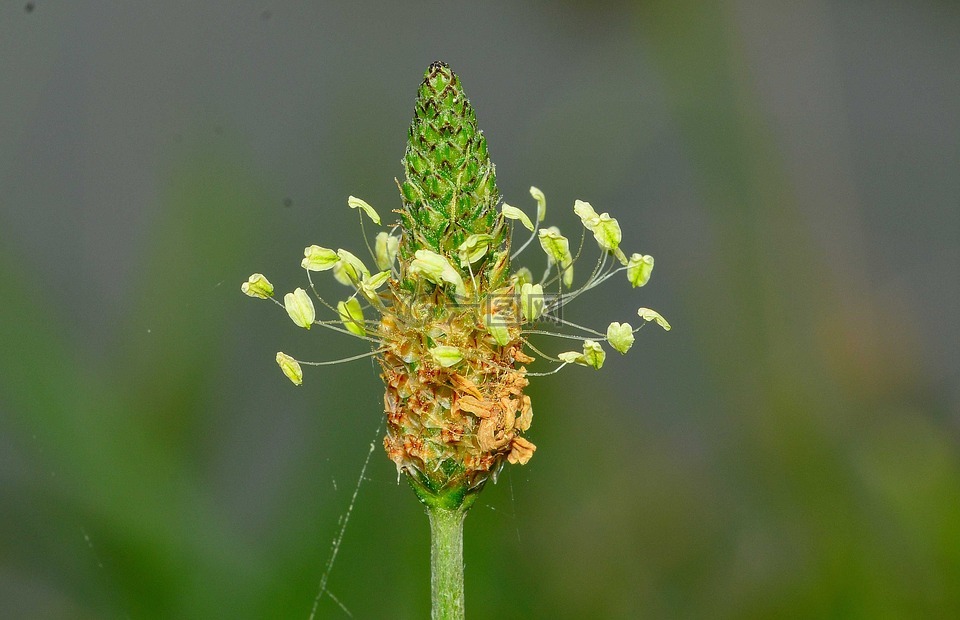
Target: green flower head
(451, 321)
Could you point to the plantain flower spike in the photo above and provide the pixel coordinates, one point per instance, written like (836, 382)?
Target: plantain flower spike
(454, 317)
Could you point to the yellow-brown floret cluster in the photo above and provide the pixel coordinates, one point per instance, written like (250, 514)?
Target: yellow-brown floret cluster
(453, 425)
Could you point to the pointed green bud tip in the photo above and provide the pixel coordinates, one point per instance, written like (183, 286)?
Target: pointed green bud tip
(385, 250)
(300, 308)
(513, 213)
(446, 356)
(652, 315)
(557, 249)
(450, 186)
(316, 258)
(257, 286)
(474, 248)
(363, 205)
(290, 367)
(437, 269)
(620, 336)
(351, 315)
(531, 301)
(350, 270)
(541, 202)
(639, 268)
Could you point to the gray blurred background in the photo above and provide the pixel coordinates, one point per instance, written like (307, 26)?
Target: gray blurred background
(790, 449)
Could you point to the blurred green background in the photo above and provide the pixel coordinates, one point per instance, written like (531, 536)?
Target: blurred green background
(790, 449)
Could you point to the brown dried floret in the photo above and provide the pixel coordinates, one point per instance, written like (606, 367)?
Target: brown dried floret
(465, 385)
(479, 462)
(452, 433)
(492, 435)
(394, 452)
(470, 416)
(476, 406)
(526, 414)
(521, 450)
(509, 407)
(520, 357)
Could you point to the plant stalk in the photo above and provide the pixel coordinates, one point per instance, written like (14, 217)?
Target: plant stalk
(446, 562)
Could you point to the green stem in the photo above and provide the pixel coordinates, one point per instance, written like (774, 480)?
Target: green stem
(446, 562)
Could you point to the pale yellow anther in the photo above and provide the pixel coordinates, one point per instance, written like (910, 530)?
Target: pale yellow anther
(445, 355)
(363, 205)
(349, 270)
(437, 269)
(593, 355)
(290, 367)
(531, 301)
(340, 274)
(513, 213)
(257, 286)
(605, 229)
(620, 336)
(639, 268)
(541, 202)
(316, 258)
(586, 213)
(300, 308)
(385, 250)
(474, 248)
(521, 277)
(370, 284)
(351, 315)
(652, 315)
(557, 249)
(608, 235)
